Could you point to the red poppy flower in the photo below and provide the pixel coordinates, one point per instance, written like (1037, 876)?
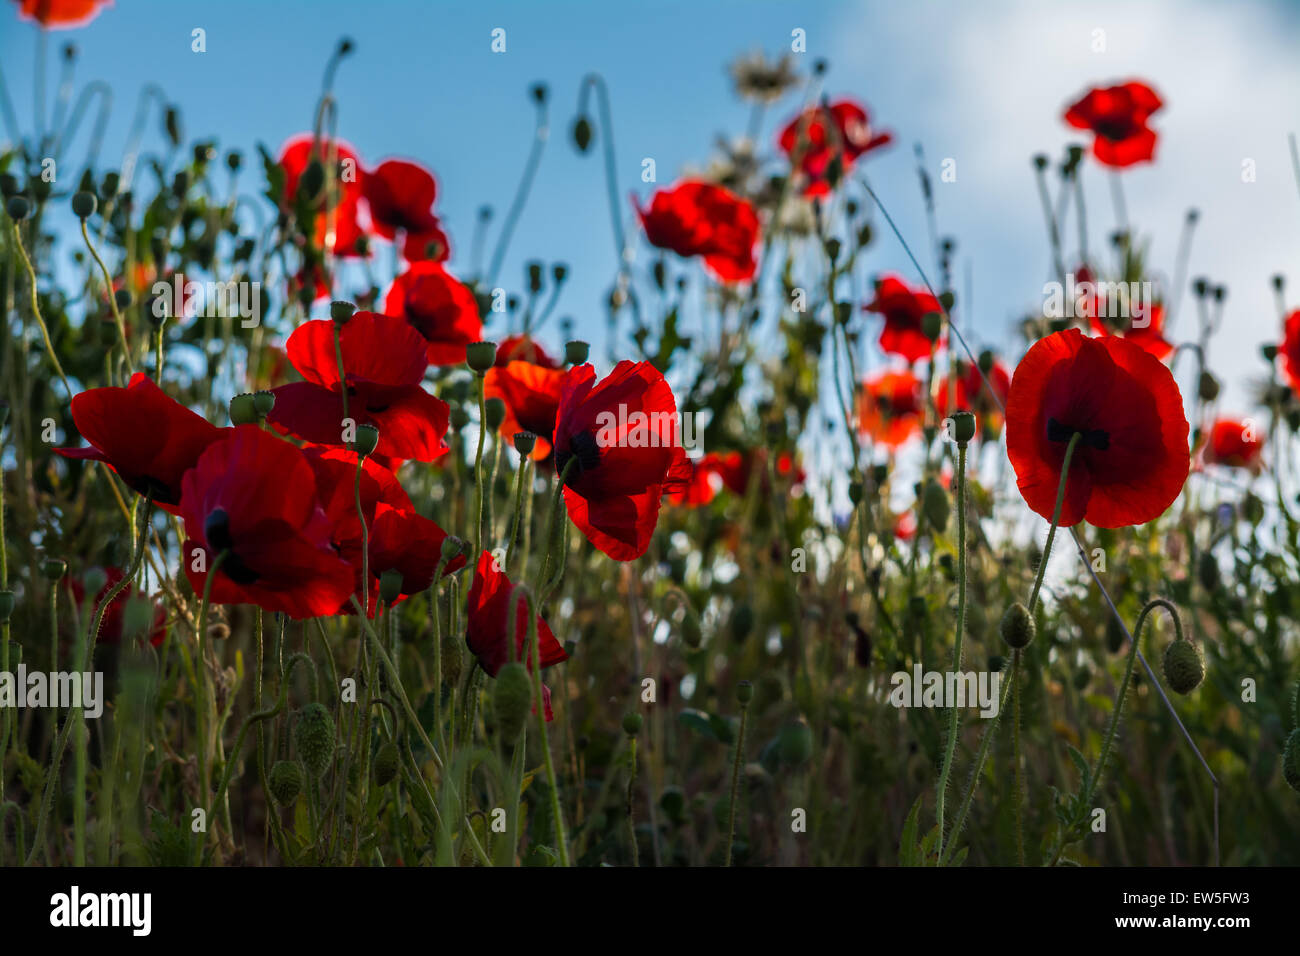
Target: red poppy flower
(440, 308)
(889, 407)
(1290, 350)
(149, 439)
(1118, 116)
(401, 195)
(61, 14)
(969, 393)
(700, 487)
(736, 468)
(403, 541)
(618, 441)
(113, 623)
(337, 228)
(903, 309)
(532, 397)
(487, 625)
(1132, 458)
(279, 555)
(1235, 444)
(385, 361)
(521, 348)
(1145, 329)
(703, 219)
(905, 526)
(821, 135)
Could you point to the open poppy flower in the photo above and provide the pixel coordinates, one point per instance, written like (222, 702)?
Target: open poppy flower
(1118, 116)
(439, 307)
(400, 195)
(903, 309)
(889, 407)
(337, 228)
(279, 555)
(487, 625)
(385, 361)
(114, 620)
(820, 135)
(521, 348)
(616, 444)
(149, 439)
(702, 219)
(532, 397)
(1132, 458)
(402, 540)
(1290, 350)
(699, 482)
(61, 14)
(1234, 444)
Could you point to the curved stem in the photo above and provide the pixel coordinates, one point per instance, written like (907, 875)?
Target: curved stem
(36, 310)
(112, 297)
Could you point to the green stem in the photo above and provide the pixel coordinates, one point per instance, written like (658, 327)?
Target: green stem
(735, 782)
(1015, 757)
(954, 714)
(36, 313)
(112, 297)
(631, 822)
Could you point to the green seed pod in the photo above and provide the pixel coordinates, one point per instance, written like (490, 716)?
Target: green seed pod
(84, 204)
(963, 427)
(1018, 626)
(582, 134)
(480, 356)
(18, 208)
(512, 698)
(1208, 387)
(932, 325)
(451, 547)
(794, 743)
(341, 311)
(1184, 666)
(390, 585)
(367, 440)
(385, 765)
(525, 442)
(313, 736)
(936, 505)
(54, 568)
(263, 403)
(243, 409)
(855, 493)
(285, 782)
(1207, 571)
(632, 724)
(123, 298)
(744, 692)
(495, 410)
(576, 352)
(459, 417)
(1291, 761)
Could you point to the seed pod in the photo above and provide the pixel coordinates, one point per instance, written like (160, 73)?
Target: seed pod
(1184, 666)
(243, 409)
(495, 412)
(512, 698)
(576, 352)
(632, 724)
(1018, 626)
(963, 427)
(313, 736)
(936, 505)
(83, 204)
(744, 692)
(480, 356)
(366, 441)
(386, 764)
(285, 782)
(390, 585)
(341, 311)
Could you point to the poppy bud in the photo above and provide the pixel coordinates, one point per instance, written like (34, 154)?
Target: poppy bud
(794, 743)
(1040, 161)
(582, 133)
(285, 782)
(525, 442)
(937, 505)
(1201, 286)
(18, 207)
(864, 235)
(879, 474)
(366, 440)
(539, 92)
(6, 605)
(843, 312)
(480, 356)
(744, 692)
(1269, 352)
(1184, 666)
(963, 427)
(1018, 626)
(559, 272)
(534, 270)
(83, 204)
(833, 248)
(1291, 761)
(340, 312)
(123, 298)
(1208, 387)
(512, 698)
(263, 402)
(632, 724)
(855, 493)
(172, 124)
(495, 411)
(390, 586)
(576, 352)
(1207, 571)
(932, 325)
(451, 547)
(1252, 508)
(452, 659)
(243, 410)
(459, 418)
(54, 568)
(313, 736)
(386, 764)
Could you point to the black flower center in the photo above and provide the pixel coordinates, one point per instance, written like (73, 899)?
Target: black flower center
(1097, 438)
(583, 452)
(217, 530)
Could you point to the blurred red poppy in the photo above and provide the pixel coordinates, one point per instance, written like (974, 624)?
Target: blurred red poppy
(439, 307)
(1290, 350)
(385, 361)
(826, 141)
(889, 407)
(532, 397)
(61, 14)
(149, 439)
(400, 195)
(969, 393)
(1118, 116)
(736, 469)
(338, 225)
(1235, 444)
(702, 219)
(523, 349)
(411, 544)
(279, 555)
(903, 309)
(114, 621)
(1132, 458)
(1145, 329)
(618, 441)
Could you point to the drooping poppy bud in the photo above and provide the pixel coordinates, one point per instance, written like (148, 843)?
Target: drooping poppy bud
(285, 782)
(512, 698)
(313, 736)
(386, 763)
(1018, 626)
(1184, 667)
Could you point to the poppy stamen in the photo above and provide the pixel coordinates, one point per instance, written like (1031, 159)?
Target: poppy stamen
(217, 530)
(583, 451)
(1097, 438)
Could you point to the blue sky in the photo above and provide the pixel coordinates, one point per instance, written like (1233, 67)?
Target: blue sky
(983, 84)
